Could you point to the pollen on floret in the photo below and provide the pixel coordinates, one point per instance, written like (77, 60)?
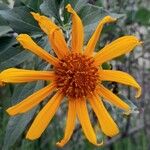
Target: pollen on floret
(76, 75)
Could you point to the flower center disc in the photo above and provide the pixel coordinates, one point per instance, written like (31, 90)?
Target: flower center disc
(76, 75)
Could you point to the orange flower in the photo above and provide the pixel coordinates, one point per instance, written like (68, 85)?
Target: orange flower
(76, 75)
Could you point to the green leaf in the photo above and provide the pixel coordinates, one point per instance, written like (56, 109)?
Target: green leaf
(17, 125)
(3, 6)
(77, 6)
(51, 8)
(89, 11)
(91, 22)
(33, 4)
(131, 103)
(142, 16)
(6, 42)
(4, 30)
(10, 55)
(13, 57)
(20, 20)
(106, 66)
(18, 3)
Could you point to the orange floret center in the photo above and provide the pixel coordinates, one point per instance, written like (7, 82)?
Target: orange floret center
(76, 75)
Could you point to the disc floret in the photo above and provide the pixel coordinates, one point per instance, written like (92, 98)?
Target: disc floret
(76, 75)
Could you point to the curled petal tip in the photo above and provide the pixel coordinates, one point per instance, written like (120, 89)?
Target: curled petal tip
(127, 113)
(2, 83)
(21, 36)
(23, 39)
(35, 15)
(31, 137)
(138, 92)
(59, 144)
(69, 8)
(18, 37)
(32, 13)
(135, 40)
(99, 144)
(10, 112)
(138, 41)
(141, 43)
(110, 19)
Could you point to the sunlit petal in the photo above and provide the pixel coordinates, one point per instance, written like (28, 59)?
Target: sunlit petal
(112, 98)
(77, 31)
(84, 119)
(70, 123)
(44, 117)
(44, 22)
(54, 33)
(93, 40)
(31, 101)
(121, 77)
(26, 41)
(58, 43)
(14, 75)
(107, 124)
(116, 48)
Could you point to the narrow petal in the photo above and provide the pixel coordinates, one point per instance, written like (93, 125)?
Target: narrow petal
(112, 98)
(84, 119)
(121, 77)
(44, 117)
(44, 22)
(92, 42)
(26, 41)
(77, 31)
(54, 33)
(118, 47)
(14, 75)
(107, 124)
(58, 43)
(31, 101)
(70, 123)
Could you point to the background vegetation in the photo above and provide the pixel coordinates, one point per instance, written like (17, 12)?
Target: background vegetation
(133, 18)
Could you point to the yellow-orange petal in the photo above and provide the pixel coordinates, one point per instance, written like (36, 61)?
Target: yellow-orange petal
(44, 117)
(58, 43)
(93, 40)
(112, 98)
(70, 123)
(77, 31)
(84, 119)
(31, 101)
(44, 22)
(14, 75)
(116, 48)
(26, 41)
(108, 126)
(121, 77)
(54, 33)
